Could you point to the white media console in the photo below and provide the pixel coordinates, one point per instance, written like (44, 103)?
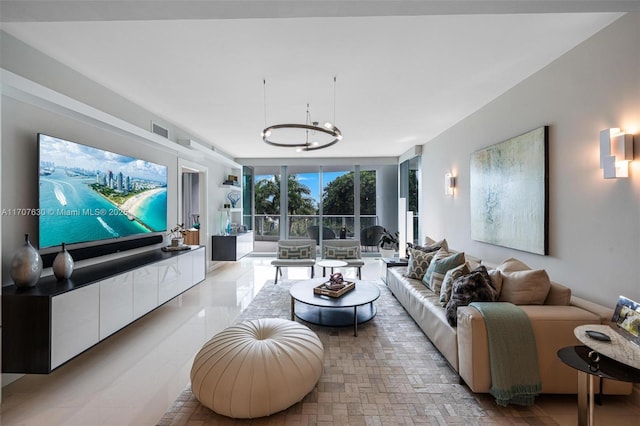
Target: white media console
(47, 325)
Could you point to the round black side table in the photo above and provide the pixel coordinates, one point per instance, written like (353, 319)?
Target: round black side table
(590, 363)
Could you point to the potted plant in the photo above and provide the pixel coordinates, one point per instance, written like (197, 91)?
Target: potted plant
(388, 243)
(176, 235)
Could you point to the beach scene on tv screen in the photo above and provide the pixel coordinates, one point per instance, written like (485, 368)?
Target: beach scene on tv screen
(88, 194)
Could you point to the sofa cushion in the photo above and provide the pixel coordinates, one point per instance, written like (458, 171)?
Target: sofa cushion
(435, 246)
(439, 267)
(525, 287)
(418, 263)
(473, 287)
(331, 252)
(513, 265)
(449, 278)
(558, 295)
(440, 254)
(427, 249)
(428, 242)
(496, 279)
(294, 252)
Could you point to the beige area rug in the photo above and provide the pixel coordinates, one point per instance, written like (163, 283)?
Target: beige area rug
(390, 374)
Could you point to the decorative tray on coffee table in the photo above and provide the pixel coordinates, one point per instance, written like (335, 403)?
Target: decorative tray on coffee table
(324, 290)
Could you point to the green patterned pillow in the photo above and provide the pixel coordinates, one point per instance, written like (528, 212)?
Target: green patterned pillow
(418, 263)
(449, 278)
(342, 252)
(294, 252)
(440, 254)
(440, 267)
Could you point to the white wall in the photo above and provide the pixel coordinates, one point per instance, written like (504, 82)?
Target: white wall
(30, 63)
(21, 123)
(594, 224)
(24, 115)
(387, 197)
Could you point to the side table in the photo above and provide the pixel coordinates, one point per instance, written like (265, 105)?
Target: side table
(590, 363)
(395, 261)
(390, 262)
(330, 263)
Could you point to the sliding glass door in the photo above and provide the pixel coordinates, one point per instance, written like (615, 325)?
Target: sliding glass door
(337, 202)
(266, 193)
(319, 202)
(410, 191)
(303, 201)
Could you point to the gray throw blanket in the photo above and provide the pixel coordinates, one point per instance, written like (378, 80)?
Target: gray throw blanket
(513, 355)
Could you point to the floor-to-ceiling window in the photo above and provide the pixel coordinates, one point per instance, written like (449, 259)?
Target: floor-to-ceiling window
(247, 196)
(267, 203)
(370, 230)
(303, 200)
(410, 191)
(338, 201)
(321, 201)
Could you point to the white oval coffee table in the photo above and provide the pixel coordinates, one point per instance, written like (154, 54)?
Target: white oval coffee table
(352, 308)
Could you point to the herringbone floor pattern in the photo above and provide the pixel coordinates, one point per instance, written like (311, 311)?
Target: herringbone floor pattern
(389, 375)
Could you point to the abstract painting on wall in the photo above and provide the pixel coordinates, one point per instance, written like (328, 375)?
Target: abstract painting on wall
(509, 193)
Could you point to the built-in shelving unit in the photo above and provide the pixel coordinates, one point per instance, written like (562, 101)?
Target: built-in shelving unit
(49, 324)
(232, 187)
(235, 246)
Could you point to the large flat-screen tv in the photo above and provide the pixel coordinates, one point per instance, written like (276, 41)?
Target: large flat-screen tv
(88, 194)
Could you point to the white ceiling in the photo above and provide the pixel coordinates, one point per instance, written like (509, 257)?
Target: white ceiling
(401, 80)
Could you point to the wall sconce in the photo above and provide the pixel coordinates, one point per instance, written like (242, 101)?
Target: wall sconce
(449, 184)
(616, 151)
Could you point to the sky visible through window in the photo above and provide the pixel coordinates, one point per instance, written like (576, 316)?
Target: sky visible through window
(311, 180)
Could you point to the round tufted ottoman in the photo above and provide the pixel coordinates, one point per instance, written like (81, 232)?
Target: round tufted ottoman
(257, 368)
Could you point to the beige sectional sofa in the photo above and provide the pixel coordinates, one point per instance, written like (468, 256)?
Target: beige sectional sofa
(465, 347)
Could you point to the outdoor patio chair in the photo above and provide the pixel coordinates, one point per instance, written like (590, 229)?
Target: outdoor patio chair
(370, 236)
(313, 232)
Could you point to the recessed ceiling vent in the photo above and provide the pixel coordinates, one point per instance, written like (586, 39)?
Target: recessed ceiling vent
(159, 130)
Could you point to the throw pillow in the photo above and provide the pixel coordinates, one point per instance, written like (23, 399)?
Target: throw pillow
(473, 262)
(440, 254)
(422, 248)
(294, 252)
(525, 287)
(496, 279)
(418, 263)
(428, 247)
(449, 278)
(559, 295)
(342, 252)
(473, 287)
(512, 265)
(440, 269)
(428, 242)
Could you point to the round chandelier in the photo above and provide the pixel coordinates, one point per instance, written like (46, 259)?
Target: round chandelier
(315, 137)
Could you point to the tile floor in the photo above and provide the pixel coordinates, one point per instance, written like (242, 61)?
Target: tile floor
(134, 376)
